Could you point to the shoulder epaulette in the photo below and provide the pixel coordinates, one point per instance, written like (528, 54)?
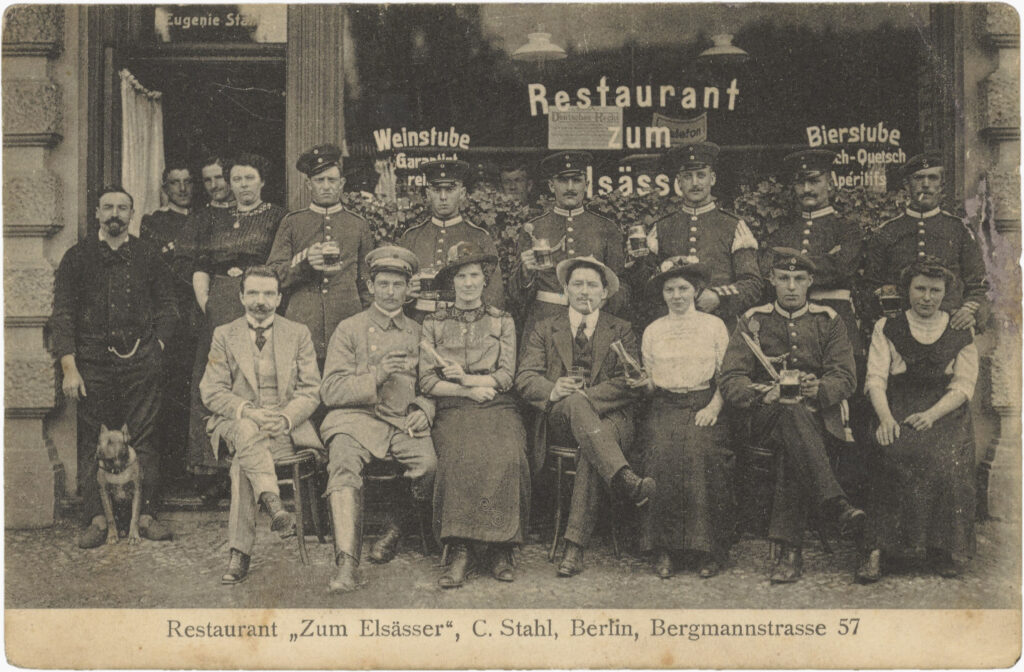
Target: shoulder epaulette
(295, 212)
(353, 213)
(540, 216)
(598, 214)
(475, 226)
(759, 310)
(818, 308)
(950, 214)
(889, 221)
(730, 213)
(414, 226)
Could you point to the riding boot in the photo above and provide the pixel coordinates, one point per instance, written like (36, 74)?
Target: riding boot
(346, 506)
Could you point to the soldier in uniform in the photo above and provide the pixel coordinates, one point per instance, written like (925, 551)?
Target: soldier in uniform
(319, 252)
(569, 230)
(169, 229)
(369, 387)
(429, 240)
(719, 239)
(924, 229)
(794, 334)
(833, 244)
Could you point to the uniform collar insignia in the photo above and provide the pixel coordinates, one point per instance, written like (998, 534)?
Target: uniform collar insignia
(445, 223)
(922, 215)
(788, 315)
(699, 211)
(569, 213)
(827, 210)
(325, 211)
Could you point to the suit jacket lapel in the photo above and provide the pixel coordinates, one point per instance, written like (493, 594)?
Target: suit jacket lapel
(242, 348)
(602, 341)
(284, 341)
(563, 339)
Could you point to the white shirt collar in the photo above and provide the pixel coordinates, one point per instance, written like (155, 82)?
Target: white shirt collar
(266, 324)
(575, 317)
(788, 315)
(445, 223)
(171, 207)
(569, 213)
(827, 210)
(699, 211)
(320, 210)
(221, 204)
(923, 215)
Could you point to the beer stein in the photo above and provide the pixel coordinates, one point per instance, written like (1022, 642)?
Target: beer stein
(637, 242)
(789, 386)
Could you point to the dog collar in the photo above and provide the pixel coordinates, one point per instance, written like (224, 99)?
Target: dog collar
(103, 463)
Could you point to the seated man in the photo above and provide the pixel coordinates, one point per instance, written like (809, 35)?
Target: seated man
(261, 383)
(373, 411)
(568, 370)
(811, 341)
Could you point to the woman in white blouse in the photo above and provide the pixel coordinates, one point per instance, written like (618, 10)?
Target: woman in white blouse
(921, 375)
(686, 447)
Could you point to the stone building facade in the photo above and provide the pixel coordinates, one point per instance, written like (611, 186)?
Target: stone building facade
(55, 132)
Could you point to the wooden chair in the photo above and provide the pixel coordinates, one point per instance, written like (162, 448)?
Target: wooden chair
(387, 474)
(562, 461)
(292, 470)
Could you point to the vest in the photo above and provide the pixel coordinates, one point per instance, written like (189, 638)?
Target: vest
(266, 374)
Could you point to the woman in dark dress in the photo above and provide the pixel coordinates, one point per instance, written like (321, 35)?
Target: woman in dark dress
(921, 376)
(467, 363)
(227, 245)
(686, 447)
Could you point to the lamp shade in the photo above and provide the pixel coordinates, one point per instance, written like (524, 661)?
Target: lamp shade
(723, 49)
(539, 47)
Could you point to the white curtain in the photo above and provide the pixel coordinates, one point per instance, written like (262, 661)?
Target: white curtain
(142, 146)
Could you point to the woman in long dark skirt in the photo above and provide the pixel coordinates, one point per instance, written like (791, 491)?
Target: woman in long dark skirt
(227, 245)
(686, 448)
(467, 363)
(921, 376)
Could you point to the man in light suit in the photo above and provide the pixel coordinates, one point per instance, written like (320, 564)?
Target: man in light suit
(594, 414)
(261, 383)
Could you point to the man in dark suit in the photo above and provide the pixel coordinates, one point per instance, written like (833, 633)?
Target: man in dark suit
(261, 384)
(568, 371)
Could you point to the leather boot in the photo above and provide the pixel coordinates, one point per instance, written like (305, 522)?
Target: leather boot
(386, 547)
(630, 487)
(458, 569)
(870, 568)
(663, 564)
(789, 566)
(238, 568)
(346, 507)
(572, 561)
(281, 520)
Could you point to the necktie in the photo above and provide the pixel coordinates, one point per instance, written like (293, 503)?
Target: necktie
(581, 336)
(261, 340)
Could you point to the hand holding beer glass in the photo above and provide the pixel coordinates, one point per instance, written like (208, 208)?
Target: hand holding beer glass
(332, 256)
(889, 298)
(637, 242)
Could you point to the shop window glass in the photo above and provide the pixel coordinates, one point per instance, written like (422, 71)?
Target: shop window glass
(255, 23)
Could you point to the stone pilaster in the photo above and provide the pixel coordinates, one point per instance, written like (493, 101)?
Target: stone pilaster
(1000, 128)
(33, 117)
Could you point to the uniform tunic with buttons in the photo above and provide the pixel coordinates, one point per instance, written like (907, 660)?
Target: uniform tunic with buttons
(913, 235)
(811, 339)
(430, 241)
(321, 300)
(723, 243)
(834, 245)
(575, 233)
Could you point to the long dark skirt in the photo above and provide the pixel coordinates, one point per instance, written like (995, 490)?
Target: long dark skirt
(922, 486)
(482, 486)
(223, 306)
(693, 506)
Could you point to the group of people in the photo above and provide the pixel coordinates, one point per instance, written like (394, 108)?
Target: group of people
(309, 336)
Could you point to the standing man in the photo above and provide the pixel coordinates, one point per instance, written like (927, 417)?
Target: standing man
(569, 372)
(430, 239)
(113, 313)
(261, 384)
(374, 412)
(319, 252)
(515, 181)
(568, 230)
(169, 229)
(719, 239)
(924, 229)
(833, 244)
(811, 339)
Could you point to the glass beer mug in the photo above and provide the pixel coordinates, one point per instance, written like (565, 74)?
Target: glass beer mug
(889, 297)
(637, 241)
(789, 386)
(543, 254)
(332, 256)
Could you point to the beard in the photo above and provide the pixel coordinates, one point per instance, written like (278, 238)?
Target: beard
(115, 226)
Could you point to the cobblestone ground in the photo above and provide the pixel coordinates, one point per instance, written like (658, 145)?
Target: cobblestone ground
(45, 568)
